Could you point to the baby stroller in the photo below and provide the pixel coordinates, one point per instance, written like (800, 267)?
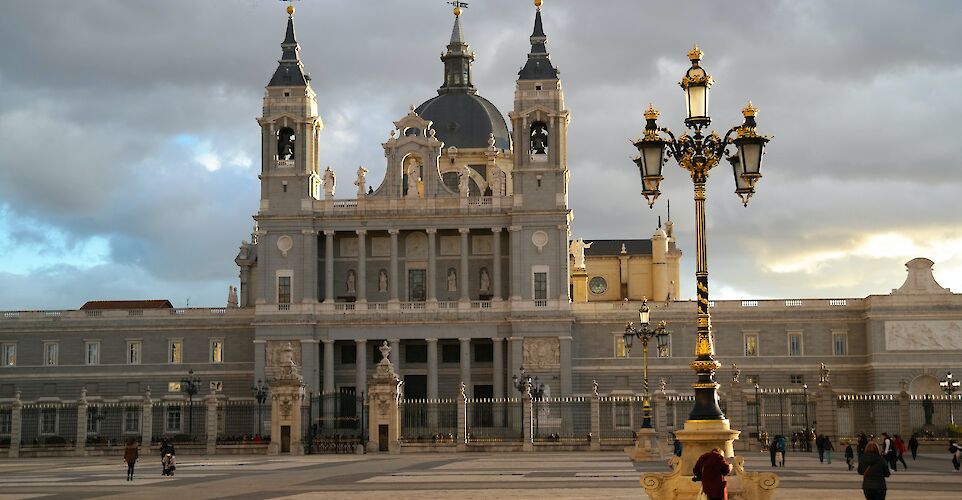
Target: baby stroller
(169, 464)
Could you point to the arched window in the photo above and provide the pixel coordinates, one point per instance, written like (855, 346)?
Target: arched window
(285, 144)
(539, 138)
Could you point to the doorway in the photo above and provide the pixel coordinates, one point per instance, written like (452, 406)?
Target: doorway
(285, 439)
(417, 281)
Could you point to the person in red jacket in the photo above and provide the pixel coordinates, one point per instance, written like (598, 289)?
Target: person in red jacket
(711, 469)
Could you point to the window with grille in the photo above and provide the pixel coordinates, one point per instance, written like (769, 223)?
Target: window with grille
(622, 414)
(8, 354)
(93, 420)
(797, 379)
(48, 421)
(6, 421)
(540, 286)
(173, 419)
(841, 343)
(51, 353)
(217, 351)
(175, 354)
(795, 344)
(92, 350)
(751, 344)
(131, 420)
(133, 352)
(283, 289)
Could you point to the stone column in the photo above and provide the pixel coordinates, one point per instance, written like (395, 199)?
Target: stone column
(269, 283)
(826, 412)
(16, 419)
(328, 266)
(310, 357)
(498, 376)
(514, 260)
(360, 366)
(595, 417)
(328, 381)
(527, 414)
(309, 293)
(563, 279)
(211, 401)
(466, 366)
(496, 264)
(80, 444)
(432, 274)
(565, 352)
(396, 354)
(383, 406)
(146, 423)
(260, 358)
(432, 368)
(464, 279)
(395, 277)
(361, 265)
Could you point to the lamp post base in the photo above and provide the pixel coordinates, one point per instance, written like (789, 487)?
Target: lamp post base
(698, 437)
(646, 446)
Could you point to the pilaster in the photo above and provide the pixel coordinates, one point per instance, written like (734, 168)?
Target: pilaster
(16, 429)
(465, 279)
(328, 266)
(309, 279)
(496, 290)
(595, 417)
(826, 411)
(360, 367)
(328, 380)
(466, 366)
(146, 423)
(361, 266)
(80, 444)
(565, 371)
(395, 277)
(432, 274)
(211, 402)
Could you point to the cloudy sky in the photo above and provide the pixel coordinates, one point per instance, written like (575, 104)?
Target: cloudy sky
(128, 146)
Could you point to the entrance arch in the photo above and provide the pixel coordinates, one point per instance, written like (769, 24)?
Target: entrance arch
(924, 384)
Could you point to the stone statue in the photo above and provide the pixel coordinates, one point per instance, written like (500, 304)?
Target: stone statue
(351, 282)
(452, 280)
(413, 183)
(823, 373)
(735, 373)
(463, 390)
(361, 181)
(594, 388)
(231, 296)
(485, 280)
(928, 408)
(382, 281)
(577, 249)
(463, 176)
(329, 181)
(497, 178)
(286, 358)
(663, 385)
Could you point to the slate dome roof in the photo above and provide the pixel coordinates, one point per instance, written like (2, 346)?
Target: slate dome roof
(465, 120)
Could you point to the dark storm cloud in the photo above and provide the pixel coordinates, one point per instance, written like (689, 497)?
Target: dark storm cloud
(134, 121)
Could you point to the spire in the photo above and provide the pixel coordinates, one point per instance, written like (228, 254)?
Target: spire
(457, 60)
(290, 72)
(538, 66)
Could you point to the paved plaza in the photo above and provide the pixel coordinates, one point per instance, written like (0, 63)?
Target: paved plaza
(420, 476)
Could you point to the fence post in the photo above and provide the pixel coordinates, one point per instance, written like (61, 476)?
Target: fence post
(660, 401)
(212, 425)
(80, 446)
(905, 424)
(146, 423)
(15, 428)
(527, 422)
(462, 432)
(737, 413)
(826, 411)
(595, 417)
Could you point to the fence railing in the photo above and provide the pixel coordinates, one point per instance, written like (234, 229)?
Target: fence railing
(494, 420)
(428, 420)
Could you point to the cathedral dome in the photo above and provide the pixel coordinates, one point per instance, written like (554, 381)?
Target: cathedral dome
(465, 120)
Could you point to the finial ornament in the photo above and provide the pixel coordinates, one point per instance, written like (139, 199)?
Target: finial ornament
(695, 54)
(749, 110)
(457, 7)
(651, 113)
(290, 10)
(537, 3)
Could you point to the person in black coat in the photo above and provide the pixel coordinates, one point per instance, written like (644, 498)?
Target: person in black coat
(874, 469)
(914, 445)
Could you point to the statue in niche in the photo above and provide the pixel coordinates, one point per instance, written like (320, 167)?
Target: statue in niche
(382, 281)
(735, 373)
(577, 249)
(329, 182)
(285, 144)
(485, 280)
(497, 179)
(361, 181)
(539, 138)
(413, 183)
(463, 177)
(351, 282)
(823, 372)
(928, 408)
(452, 280)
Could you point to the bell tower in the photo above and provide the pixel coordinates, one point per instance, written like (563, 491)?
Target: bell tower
(290, 127)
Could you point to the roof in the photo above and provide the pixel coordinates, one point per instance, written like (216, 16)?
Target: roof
(601, 248)
(465, 120)
(538, 65)
(290, 72)
(126, 304)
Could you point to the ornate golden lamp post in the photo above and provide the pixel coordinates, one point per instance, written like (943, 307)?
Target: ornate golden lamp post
(644, 334)
(698, 154)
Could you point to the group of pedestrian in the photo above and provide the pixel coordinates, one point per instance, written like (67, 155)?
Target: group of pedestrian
(825, 448)
(777, 450)
(132, 453)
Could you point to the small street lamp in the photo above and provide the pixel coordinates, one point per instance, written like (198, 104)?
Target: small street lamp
(525, 381)
(190, 385)
(260, 394)
(644, 334)
(950, 386)
(698, 154)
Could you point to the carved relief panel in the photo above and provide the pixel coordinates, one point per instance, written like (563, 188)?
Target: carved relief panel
(541, 353)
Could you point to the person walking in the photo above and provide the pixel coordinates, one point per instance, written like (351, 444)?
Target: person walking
(676, 445)
(167, 457)
(711, 469)
(820, 446)
(914, 445)
(773, 450)
(874, 469)
(849, 455)
(888, 450)
(900, 450)
(781, 446)
(860, 446)
(130, 457)
(956, 450)
(829, 448)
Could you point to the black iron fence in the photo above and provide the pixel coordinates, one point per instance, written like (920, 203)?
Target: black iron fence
(936, 415)
(564, 420)
(243, 422)
(112, 424)
(783, 411)
(620, 417)
(48, 425)
(179, 421)
(334, 423)
(493, 420)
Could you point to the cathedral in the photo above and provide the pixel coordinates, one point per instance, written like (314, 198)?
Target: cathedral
(461, 258)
